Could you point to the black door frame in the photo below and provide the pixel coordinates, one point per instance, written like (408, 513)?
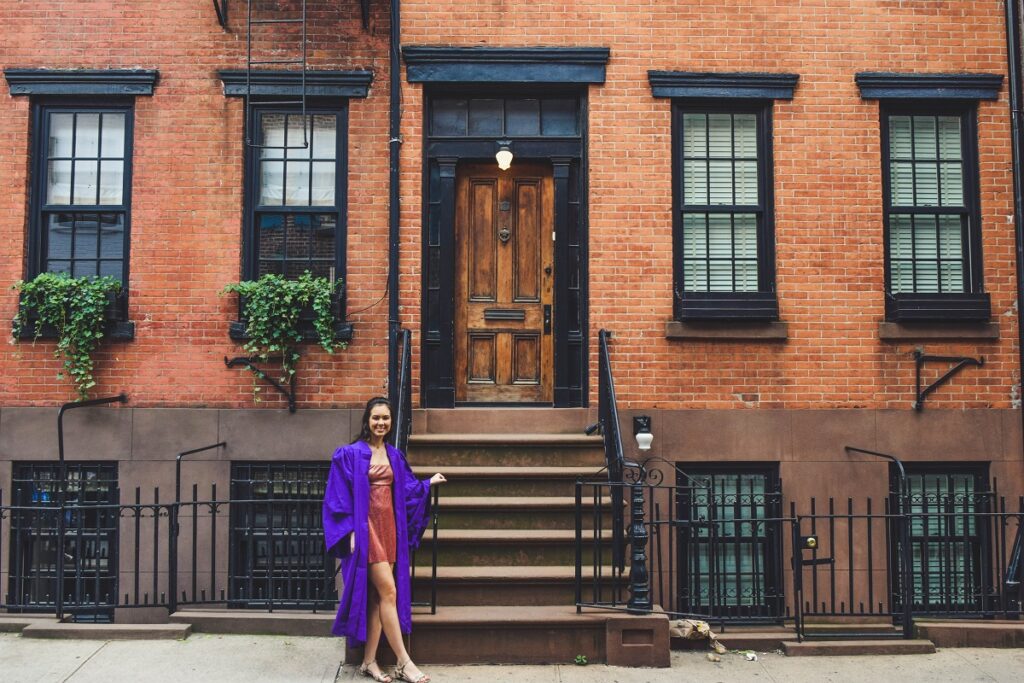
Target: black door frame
(567, 156)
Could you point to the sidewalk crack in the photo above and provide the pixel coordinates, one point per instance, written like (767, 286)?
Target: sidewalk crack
(86, 661)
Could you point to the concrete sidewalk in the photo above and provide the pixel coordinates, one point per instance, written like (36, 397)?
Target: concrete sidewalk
(244, 659)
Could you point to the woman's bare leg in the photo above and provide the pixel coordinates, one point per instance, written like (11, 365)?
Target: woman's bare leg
(383, 580)
(373, 629)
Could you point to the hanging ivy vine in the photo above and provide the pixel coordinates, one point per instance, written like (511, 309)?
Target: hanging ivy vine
(273, 307)
(74, 308)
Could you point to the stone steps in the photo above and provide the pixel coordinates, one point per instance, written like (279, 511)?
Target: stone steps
(71, 631)
(483, 480)
(505, 547)
(516, 585)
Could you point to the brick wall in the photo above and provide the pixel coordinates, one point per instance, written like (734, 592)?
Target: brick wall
(187, 192)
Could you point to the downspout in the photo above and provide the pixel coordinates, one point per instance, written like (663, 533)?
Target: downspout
(1013, 44)
(394, 212)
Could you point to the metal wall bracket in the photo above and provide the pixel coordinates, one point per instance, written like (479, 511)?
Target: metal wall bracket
(920, 358)
(250, 363)
(221, 8)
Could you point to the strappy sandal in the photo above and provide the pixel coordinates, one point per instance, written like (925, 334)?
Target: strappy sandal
(378, 675)
(401, 675)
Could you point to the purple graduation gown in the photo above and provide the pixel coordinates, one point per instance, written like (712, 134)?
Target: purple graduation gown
(346, 506)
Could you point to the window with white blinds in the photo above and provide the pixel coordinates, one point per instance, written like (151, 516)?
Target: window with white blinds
(722, 210)
(928, 204)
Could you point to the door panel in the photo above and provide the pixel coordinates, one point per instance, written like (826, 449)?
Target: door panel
(504, 275)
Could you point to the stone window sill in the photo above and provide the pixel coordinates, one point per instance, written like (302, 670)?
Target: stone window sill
(726, 331)
(924, 331)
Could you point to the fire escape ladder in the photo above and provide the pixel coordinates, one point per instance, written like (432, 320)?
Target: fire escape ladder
(290, 57)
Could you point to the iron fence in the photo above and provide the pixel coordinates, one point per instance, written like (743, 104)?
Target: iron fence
(735, 558)
(258, 552)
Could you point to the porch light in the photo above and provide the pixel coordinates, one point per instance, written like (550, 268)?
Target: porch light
(642, 432)
(504, 155)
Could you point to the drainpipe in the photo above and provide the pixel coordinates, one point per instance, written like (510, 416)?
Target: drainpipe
(1013, 51)
(394, 212)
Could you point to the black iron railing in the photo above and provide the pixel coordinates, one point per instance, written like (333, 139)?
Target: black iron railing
(737, 558)
(401, 395)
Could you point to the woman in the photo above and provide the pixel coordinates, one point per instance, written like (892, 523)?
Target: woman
(375, 512)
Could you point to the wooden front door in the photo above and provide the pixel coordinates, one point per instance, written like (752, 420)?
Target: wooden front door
(504, 270)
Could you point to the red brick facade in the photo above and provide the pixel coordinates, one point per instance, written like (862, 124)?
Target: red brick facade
(187, 194)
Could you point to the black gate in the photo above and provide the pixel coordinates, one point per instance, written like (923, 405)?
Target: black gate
(89, 580)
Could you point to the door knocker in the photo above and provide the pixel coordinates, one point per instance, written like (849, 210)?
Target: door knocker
(504, 235)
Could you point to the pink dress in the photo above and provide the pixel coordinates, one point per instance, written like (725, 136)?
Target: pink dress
(383, 538)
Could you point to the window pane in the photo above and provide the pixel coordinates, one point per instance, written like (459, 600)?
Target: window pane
(86, 182)
(745, 135)
(111, 182)
(924, 137)
(720, 276)
(271, 182)
(113, 136)
(58, 237)
(695, 130)
(927, 178)
(112, 268)
(900, 146)
(58, 182)
(323, 183)
(902, 276)
(112, 236)
(559, 117)
(87, 237)
(695, 243)
(297, 139)
(297, 183)
(695, 276)
(87, 135)
(950, 237)
(746, 276)
(926, 244)
(949, 138)
(297, 233)
(902, 182)
(58, 267)
(271, 237)
(927, 280)
(721, 182)
(746, 182)
(952, 178)
(485, 117)
(325, 228)
(61, 127)
(695, 182)
(720, 135)
(900, 237)
(83, 268)
(745, 235)
(325, 137)
(272, 128)
(449, 117)
(951, 276)
(522, 117)
(720, 236)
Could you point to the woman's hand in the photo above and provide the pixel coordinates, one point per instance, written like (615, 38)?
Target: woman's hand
(437, 479)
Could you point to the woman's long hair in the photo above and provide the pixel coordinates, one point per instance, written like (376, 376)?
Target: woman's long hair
(364, 428)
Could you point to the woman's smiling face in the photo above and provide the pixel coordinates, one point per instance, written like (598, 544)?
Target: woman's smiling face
(380, 421)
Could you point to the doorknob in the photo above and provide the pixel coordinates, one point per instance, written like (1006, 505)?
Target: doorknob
(504, 235)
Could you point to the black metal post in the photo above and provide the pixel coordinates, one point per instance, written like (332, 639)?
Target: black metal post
(62, 488)
(172, 557)
(906, 560)
(639, 582)
(394, 209)
(579, 545)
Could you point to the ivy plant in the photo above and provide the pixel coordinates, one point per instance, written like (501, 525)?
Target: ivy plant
(74, 308)
(273, 306)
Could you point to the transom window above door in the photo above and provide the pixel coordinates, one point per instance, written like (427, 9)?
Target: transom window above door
(504, 117)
